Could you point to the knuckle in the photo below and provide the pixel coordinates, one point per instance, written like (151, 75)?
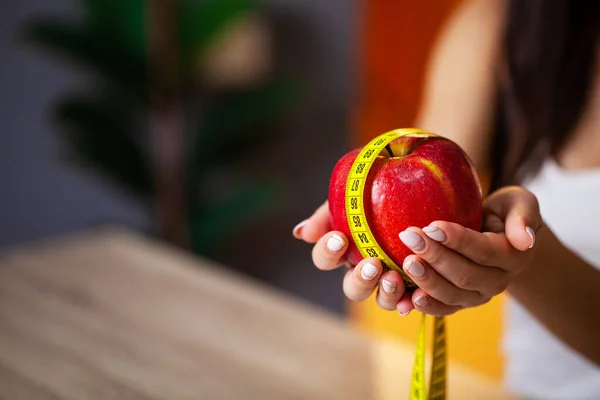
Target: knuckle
(484, 255)
(456, 238)
(454, 299)
(465, 280)
(433, 256)
(457, 241)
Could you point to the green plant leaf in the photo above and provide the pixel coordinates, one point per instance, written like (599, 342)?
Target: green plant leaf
(213, 221)
(235, 122)
(109, 59)
(121, 20)
(99, 136)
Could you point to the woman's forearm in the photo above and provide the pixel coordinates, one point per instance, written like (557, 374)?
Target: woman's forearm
(563, 292)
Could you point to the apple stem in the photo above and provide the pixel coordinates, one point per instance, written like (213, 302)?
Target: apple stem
(389, 150)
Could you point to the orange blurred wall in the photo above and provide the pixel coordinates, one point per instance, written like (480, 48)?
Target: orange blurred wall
(396, 39)
(397, 36)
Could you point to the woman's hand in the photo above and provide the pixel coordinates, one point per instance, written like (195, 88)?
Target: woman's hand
(454, 267)
(329, 253)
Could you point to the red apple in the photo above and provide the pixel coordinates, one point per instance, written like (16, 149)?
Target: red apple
(428, 179)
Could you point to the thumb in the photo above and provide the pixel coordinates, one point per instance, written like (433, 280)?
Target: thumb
(520, 211)
(317, 225)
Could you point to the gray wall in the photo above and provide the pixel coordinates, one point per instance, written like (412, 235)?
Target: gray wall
(42, 194)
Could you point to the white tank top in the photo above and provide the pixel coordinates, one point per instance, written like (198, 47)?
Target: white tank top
(538, 365)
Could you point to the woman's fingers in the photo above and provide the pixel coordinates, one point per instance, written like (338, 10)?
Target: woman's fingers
(447, 275)
(485, 249)
(425, 303)
(360, 281)
(405, 304)
(391, 289)
(520, 211)
(482, 248)
(317, 225)
(438, 287)
(329, 251)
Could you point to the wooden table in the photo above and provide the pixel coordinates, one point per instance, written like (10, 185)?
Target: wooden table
(112, 315)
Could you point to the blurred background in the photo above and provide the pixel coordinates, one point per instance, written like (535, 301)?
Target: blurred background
(213, 125)
(218, 136)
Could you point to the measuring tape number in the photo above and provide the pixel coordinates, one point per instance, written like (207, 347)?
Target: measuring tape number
(368, 247)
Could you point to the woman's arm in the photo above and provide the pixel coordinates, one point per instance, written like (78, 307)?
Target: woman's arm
(563, 292)
(560, 289)
(459, 99)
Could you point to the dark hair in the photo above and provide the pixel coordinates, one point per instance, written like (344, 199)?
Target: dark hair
(549, 55)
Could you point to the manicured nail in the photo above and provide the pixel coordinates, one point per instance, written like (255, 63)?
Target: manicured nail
(421, 301)
(415, 268)
(412, 240)
(298, 228)
(531, 234)
(435, 233)
(388, 286)
(403, 314)
(335, 243)
(368, 272)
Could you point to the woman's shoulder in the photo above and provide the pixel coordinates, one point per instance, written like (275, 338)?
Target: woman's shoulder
(485, 18)
(461, 80)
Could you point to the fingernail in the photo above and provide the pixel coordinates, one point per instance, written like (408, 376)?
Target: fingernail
(421, 301)
(435, 233)
(412, 240)
(335, 243)
(368, 271)
(403, 313)
(298, 228)
(415, 268)
(531, 234)
(388, 286)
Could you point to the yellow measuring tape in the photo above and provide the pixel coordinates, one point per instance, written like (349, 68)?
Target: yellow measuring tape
(368, 247)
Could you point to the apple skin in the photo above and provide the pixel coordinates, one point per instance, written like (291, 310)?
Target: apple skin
(429, 179)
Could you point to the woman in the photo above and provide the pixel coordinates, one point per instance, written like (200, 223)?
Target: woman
(517, 84)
